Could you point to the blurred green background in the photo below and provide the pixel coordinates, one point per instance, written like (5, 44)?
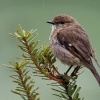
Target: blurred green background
(33, 14)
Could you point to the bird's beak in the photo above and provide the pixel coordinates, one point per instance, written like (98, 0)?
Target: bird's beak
(50, 22)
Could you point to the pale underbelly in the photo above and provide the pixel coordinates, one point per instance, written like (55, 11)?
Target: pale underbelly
(64, 55)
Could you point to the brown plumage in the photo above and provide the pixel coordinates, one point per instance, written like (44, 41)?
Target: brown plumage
(70, 43)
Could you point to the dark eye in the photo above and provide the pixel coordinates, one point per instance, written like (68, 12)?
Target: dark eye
(62, 22)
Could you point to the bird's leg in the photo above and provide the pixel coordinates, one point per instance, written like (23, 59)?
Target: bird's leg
(68, 70)
(75, 71)
(65, 74)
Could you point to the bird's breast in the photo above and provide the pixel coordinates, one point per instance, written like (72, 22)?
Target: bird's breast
(61, 53)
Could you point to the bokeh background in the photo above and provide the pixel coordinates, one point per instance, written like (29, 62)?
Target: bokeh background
(33, 14)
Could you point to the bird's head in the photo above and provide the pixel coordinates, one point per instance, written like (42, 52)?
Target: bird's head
(61, 21)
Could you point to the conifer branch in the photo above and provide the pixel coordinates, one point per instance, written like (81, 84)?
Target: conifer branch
(25, 85)
(44, 60)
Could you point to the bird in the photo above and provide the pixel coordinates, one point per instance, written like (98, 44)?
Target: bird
(70, 44)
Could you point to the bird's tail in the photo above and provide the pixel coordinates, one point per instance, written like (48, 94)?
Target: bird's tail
(96, 62)
(95, 73)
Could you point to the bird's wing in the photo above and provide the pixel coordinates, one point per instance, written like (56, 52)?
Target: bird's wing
(77, 42)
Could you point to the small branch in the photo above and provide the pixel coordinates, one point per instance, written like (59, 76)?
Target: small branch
(44, 60)
(23, 80)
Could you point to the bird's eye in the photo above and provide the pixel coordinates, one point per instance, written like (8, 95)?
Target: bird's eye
(62, 22)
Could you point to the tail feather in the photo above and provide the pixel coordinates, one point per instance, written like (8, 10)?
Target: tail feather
(95, 73)
(96, 62)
